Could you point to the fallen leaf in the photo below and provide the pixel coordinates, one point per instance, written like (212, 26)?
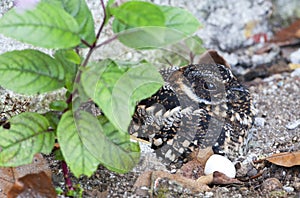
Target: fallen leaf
(9, 175)
(204, 154)
(271, 184)
(143, 180)
(286, 159)
(297, 34)
(265, 70)
(192, 169)
(222, 179)
(206, 179)
(212, 57)
(183, 181)
(288, 35)
(33, 185)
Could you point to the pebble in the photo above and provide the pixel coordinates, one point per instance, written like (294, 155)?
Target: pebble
(221, 164)
(271, 184)
(295, 73)
(208, 194)
(292, 125)
(288, 189)
(296, 186)
(259, 121)
(295, 57)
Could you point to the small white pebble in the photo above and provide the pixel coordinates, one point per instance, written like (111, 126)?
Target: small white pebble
(288, 189)
(295, 57)
(296, 72)
(260, 122)
(208, 194)
(282, 138)
(221, 164)
(293, 125)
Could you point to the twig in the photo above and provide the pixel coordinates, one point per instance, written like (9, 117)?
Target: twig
(106, 41)
(102, 24)
(86, 43)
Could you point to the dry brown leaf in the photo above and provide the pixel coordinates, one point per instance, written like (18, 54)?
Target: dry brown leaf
(204, 154)
(221, 178)
(271, 184)
(287, 159)
(143, 180)
(206, 179)
(289, 34)
(297, 34)
(9, 175)
(33, 185)
(192, 169)
(212, 57)
(185, 182)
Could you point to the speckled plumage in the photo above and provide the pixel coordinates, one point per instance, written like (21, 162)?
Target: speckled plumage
(199, 105)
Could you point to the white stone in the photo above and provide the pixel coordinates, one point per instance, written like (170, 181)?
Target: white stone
(259, 121)
(208, 194)
(293, 125)
(296, 72)
(288, 189)
(221, 164)
(295, 57)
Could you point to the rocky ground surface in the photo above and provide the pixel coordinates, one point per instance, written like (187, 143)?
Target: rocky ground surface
(231, 28)
(277, 101)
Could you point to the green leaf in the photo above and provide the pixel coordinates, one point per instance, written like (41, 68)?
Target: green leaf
(118, 26)
(109, 6)
(150, 37)
(77, 156)
(111, 147)
(58, 105)
(180, 19)
(45, 25)
(116, 90)
(58, 155)
(195, 44)
(138, 14)
(175, 25)
(98, 80)
(70, 61)
(84, 143)
(67, 56)
(28, 135)
(82, 14)
(53, 118)
(30, 72)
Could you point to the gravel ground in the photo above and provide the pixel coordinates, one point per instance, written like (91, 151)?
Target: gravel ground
(277, 101)
(276, 98)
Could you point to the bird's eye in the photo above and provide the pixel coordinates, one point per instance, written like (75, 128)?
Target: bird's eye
(209, 86)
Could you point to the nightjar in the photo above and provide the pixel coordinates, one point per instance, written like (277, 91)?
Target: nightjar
(200, 105)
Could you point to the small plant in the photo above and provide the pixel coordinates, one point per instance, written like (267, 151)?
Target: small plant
(67, 27)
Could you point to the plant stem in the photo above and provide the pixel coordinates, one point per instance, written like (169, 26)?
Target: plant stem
(65, 170)
(106, 41)
(92, 47)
